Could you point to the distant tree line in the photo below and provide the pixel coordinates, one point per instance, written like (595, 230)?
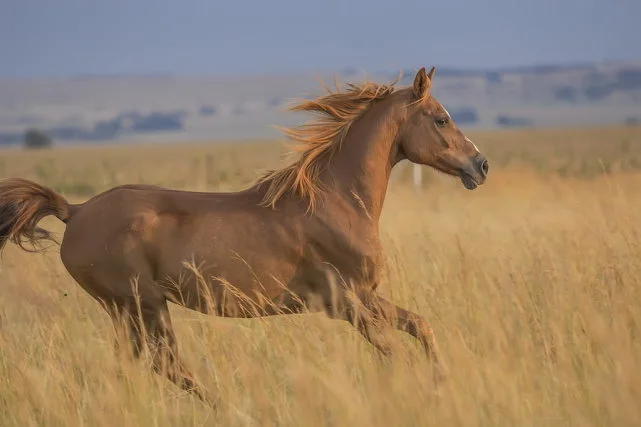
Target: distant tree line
(505, 120)
(125, 123)
(597, 86)
(132, 122)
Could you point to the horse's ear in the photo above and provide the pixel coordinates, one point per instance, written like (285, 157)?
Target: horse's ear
(421, 84)
(431, 73)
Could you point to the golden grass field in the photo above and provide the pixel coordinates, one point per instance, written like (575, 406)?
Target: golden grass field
(532, 284)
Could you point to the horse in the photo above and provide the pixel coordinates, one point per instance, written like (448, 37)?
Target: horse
(302, 238)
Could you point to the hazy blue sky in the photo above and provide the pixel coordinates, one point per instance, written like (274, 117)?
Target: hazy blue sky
(71, 37)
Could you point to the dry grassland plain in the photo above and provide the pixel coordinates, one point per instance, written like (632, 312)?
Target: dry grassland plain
(532, 284)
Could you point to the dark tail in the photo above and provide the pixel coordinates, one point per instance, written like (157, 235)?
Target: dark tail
(23, 204)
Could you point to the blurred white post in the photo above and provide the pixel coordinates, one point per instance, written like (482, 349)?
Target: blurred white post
(417, 173)
(418, 177)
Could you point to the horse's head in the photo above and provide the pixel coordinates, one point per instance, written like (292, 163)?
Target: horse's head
(430, 137)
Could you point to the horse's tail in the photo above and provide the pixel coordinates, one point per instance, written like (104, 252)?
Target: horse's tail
(23, 204)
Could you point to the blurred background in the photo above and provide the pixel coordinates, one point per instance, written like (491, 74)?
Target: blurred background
(87, 72)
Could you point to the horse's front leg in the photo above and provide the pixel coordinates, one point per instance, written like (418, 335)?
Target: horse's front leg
(372, 314)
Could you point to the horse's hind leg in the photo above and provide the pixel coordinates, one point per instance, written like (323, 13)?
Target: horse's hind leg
(117, 273)
(151, 325)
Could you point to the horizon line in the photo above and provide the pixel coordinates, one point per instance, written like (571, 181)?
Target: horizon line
(338, 70)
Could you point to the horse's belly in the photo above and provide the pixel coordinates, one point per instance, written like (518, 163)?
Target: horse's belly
(229, 284)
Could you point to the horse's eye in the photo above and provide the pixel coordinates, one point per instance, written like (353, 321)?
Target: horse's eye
(440, 122)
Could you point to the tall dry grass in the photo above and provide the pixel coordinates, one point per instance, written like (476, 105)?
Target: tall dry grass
(532, 284)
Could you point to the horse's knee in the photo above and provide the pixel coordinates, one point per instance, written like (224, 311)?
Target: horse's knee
(419, 327)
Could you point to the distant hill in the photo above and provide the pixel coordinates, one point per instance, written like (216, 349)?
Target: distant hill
(166, 108)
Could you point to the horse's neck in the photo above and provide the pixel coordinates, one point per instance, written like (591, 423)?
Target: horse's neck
(360, 170)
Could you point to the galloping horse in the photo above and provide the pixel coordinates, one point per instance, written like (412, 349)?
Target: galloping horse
(305, 233)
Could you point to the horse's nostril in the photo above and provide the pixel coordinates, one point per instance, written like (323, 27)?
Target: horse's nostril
(485, 167)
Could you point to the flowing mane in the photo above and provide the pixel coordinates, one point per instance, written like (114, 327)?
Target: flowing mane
(317, 140)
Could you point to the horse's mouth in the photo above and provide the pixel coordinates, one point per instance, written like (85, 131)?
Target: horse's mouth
(468, 181)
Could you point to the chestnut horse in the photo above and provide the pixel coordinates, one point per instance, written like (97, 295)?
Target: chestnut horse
(302, 238)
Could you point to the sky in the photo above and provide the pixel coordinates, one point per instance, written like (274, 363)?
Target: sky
(231, 37)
